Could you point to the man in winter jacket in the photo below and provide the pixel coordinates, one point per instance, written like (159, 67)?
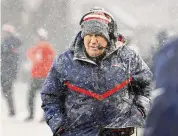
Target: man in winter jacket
(95, 87)
(163, 117)
(41, 57)
(10, 52)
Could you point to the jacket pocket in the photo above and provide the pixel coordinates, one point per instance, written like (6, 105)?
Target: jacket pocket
(143, 104)
(73, 123)
(137, 112)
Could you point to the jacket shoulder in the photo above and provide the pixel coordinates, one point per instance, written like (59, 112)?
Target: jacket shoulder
(64, 57)
(126, 53)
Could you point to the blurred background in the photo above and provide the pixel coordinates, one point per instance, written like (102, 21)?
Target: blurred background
(143, 23)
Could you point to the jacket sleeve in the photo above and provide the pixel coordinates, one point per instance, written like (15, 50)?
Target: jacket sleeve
(141, 83)
(53, 98)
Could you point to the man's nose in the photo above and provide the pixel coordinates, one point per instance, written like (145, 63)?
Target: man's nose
(93, 40)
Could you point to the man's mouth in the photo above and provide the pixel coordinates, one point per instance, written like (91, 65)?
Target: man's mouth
(93, 46)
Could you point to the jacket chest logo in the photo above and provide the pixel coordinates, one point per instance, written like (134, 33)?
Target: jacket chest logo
(98, 96)
(116, 65)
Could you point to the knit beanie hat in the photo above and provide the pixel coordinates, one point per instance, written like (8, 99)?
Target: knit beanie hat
(95, 23)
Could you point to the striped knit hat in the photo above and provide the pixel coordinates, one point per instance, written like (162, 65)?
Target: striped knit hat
(96, 23)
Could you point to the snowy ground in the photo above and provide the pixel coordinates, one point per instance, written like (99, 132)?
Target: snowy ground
(16, 126)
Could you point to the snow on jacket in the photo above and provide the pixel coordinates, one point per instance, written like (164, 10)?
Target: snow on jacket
(41, 57)
(82, 115)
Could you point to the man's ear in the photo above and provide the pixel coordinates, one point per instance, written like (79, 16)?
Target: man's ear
(121, 38)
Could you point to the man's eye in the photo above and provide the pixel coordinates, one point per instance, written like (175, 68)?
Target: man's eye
(98, 35)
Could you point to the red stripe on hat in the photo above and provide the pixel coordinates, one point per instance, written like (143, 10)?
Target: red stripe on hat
(96, 18)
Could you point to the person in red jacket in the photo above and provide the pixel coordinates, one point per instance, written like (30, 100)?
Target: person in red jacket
(41, 57)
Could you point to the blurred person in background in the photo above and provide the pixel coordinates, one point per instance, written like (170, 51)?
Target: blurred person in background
(129, 42)
(163, 117)
(161, 38)
(10, 52)
(96, 87)
(41, 57)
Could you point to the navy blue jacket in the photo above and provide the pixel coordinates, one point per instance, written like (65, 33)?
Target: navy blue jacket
(9, 58)
(81, 115)
(163, 117)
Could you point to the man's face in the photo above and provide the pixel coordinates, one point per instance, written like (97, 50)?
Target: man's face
(92, 42)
